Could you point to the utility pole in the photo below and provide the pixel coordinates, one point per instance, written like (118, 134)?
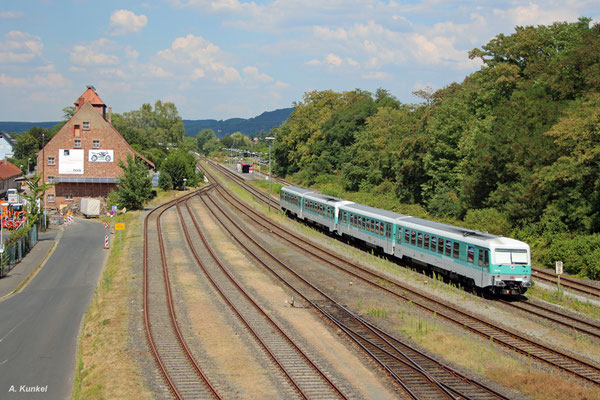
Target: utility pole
(270, 139)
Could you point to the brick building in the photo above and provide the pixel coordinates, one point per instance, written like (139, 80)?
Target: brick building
(82, 159)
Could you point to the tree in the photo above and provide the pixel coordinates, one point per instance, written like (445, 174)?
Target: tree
(135, 186)
(202, 137)
(180, 165)
(34, 198)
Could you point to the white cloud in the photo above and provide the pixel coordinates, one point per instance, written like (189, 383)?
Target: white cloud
(52, 80)
(377, 75)
(131, 53)
(123, 22)
(190, 54)
(113, 73)
(11, 14)
(94, 54)
(253, 74)
(20, 47)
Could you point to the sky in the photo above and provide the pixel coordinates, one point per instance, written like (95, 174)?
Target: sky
(220, 59)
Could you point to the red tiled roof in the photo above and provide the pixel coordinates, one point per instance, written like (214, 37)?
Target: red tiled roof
(89, 96)
(8, 170)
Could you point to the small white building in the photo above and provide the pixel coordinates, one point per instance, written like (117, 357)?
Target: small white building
(6, 145)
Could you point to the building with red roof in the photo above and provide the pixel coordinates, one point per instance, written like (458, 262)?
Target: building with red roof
(8, 175)
(82, 159)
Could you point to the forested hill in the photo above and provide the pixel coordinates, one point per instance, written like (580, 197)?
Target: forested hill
(264, 122)
(11, 126)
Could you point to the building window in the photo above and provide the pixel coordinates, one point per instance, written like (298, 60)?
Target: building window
(96, 144)
(77, 143)
(50, 198)
(68, 197)
(86, 126)
(76, 131)
(50, 160)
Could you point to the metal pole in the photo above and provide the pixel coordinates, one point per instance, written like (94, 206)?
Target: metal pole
(270, 139)
(43, 181)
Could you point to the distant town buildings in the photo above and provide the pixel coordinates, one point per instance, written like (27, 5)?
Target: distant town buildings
(82, 159)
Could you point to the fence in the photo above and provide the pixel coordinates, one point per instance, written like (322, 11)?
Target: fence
(14, 252)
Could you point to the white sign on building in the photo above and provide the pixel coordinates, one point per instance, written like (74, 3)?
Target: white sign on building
(101, 156)
(70, 161)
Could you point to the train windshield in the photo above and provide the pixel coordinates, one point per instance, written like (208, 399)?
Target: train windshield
(511, 256)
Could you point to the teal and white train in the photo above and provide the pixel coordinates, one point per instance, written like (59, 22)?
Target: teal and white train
(490, 262)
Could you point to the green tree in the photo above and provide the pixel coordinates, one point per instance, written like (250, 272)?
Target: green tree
(135, 186)
(35, 197)
(180, 165)
(203, 137)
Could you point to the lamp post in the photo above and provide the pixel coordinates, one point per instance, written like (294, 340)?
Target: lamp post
(270, 139)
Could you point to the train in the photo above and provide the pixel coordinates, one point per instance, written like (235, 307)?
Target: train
(492, 263)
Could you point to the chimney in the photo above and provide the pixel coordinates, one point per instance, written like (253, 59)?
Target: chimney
(109, 115)
(79, 103)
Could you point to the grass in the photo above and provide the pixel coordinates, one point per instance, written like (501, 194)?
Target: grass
(104, 369)
(558, 297)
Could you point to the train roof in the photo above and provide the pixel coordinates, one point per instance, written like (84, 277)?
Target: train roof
(372, 211)
(322, 197)
(449, 228)
(296, 189)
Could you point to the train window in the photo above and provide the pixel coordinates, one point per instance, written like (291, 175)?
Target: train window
(470, 254)
(413, 237)
(345, 217)
(426, 244)
(456, 251)
(441, 246)
(388, 231)
(486, 258)
(448, 247)
(406, 235)
(372, 226)
(433, 243)
(480, 261)
(420, 240)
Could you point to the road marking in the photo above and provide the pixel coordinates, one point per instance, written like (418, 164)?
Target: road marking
(9, 332)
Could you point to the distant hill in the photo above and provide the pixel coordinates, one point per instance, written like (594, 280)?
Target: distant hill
(264, 122)
(17, 127)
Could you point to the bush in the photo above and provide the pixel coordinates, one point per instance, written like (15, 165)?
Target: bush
(488, 220)
(580, 255)
(164, 181)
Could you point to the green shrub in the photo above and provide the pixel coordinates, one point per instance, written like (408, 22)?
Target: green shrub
(580, 255)
(488, 220)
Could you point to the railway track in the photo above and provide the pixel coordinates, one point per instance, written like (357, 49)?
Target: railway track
(513, 340)
(183, 376)
(305, 377)
(419, 375)
(566, 282)
(560, 317)
(258, 194)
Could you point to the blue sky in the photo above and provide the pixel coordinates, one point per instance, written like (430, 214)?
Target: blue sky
(219, 59)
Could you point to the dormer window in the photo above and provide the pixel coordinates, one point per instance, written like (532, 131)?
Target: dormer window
(86, 126)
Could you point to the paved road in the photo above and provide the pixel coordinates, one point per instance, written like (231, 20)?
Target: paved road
(39, 326)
